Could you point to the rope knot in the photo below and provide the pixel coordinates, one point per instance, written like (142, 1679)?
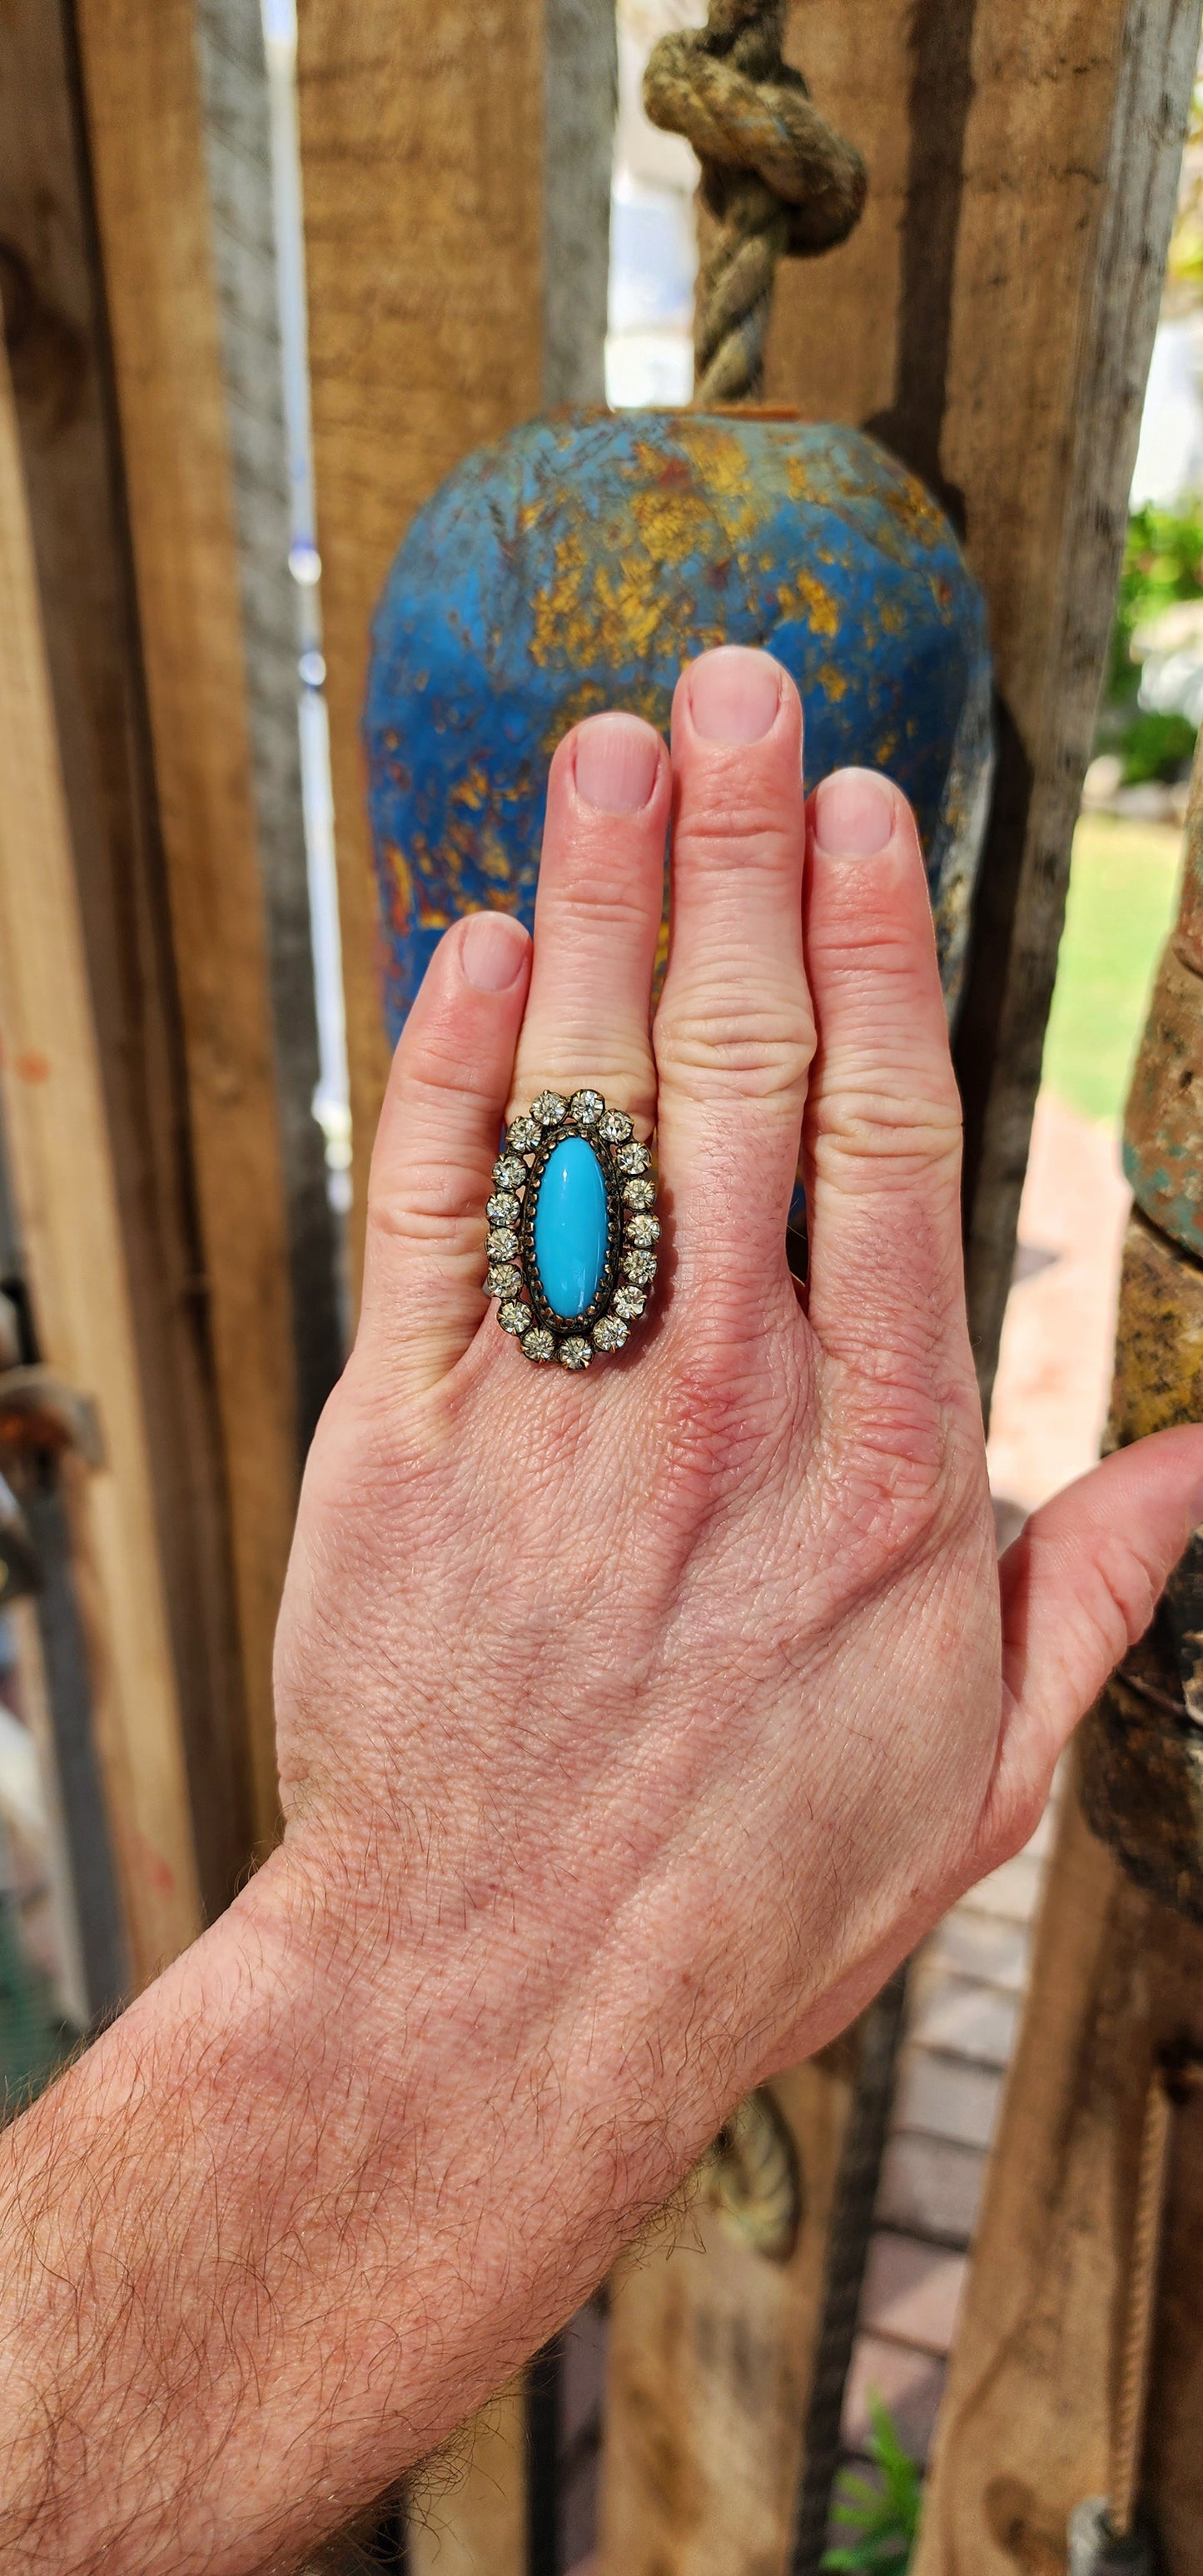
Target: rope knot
(776, 177)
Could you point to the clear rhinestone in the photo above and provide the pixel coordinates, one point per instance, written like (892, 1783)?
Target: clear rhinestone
(504, 1282)
(610, 1334)
(514, 1317)
(502, 1243)
(629, 1302)
(615, 1127)
(539, 1345)
(641, 1267)
(504, 1208)
(643, 1230)
(508, 1172)
(637, 1194)
(549, 1108)
(575, 1352)
(634, 1158)
(586, 1107)
(522, 1137)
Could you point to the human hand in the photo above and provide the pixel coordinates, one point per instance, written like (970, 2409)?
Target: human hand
(632, 1725)
(682, 1696)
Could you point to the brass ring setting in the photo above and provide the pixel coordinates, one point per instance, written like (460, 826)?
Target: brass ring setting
(573, 1229)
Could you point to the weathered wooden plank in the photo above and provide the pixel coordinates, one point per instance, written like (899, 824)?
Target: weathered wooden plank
(1023, 2432)
(580, 101)
(835, 333)
(145, 129)
(71, 1237)
(712, 2345)
(1033, 2402)
(423, 178)
(238, 157)
(992, 320)
(54, 312)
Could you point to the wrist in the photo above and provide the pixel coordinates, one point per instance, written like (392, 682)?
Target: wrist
(512, 2024)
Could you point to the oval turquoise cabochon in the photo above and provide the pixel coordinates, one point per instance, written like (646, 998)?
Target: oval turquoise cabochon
(580, 561)
(572, 1226)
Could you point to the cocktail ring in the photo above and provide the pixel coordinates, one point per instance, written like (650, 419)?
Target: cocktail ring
(573, 1229)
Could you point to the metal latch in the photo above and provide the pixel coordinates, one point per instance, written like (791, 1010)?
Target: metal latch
(40, 1417)
(39, 1411)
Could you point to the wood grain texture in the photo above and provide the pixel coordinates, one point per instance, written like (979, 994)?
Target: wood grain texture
(142, 97)
(711, 2354)
(992, 320)
(580, 103)
(833, 345)
(238, 156)
(422, 167)
(57, 342)
(1023, 2431)
(71, 1236)
(470, 2518)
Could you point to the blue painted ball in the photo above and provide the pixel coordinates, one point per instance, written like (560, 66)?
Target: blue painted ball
(579, 562)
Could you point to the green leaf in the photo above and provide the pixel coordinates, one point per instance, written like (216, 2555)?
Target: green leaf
(883, 2521)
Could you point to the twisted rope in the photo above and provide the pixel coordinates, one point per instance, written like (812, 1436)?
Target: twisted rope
(776, 178)
(1127, 2432)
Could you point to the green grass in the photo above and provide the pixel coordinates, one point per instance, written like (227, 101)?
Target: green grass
(1121, 904)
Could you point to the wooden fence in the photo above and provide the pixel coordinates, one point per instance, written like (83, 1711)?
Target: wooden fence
(991, 319)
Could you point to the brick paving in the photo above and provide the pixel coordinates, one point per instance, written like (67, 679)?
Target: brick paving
(963, 2013)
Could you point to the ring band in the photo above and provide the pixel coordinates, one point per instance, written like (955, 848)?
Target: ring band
(572, 1234)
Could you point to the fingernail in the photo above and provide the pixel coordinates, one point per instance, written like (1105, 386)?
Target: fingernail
(734, 694)
(854, 814)
(492, 951)
(617, 758)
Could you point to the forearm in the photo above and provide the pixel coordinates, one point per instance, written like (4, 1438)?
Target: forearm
(285, 2223)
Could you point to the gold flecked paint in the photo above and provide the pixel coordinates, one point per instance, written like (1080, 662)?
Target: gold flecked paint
(1159, 1338)
(804, 595)
(1142, 1764)
(581, 563)
(401, 885)
(1163, 1127)
(1188, 936)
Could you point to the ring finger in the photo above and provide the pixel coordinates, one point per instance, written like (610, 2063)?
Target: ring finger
(597, 919)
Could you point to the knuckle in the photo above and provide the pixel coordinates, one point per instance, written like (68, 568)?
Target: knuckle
(441, 1067)
(898, 1133)
(708, 1424)
(1008, 1819)
(1018, 1815)
(896, 1466)
(440, 1203)
(760, 1048)
(1122, 1592)
(369, 1450)
(601, 896)
(891, 1506)
(738, 815)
